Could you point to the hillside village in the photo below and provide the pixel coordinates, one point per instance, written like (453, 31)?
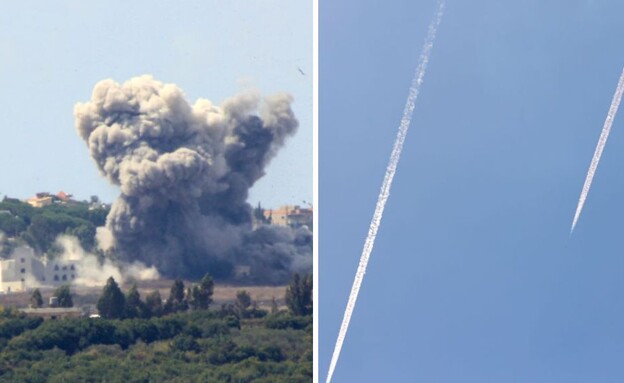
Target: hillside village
(29, 257)
(28, 229)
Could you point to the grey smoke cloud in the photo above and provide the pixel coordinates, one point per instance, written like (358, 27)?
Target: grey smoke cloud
(184, 173)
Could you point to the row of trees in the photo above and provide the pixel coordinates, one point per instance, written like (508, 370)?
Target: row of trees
(62, 294)
(114, 304)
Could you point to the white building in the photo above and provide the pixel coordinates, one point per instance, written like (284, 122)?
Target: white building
(24, 270)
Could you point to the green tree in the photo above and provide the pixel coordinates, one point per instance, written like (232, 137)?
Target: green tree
(11, 225)
(36, 300)
(258, 213)
(299, 295)
(243, 300)
(177, 291)
(112, 301)
(18, 208)
(63, 294)
(176, 301)
(85, 233)
(202, 293)
(185, 343)
(153, 304)
(274, 306)
(135, 308)
(193, 297)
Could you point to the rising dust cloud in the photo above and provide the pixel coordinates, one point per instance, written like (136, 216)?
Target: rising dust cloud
(94, 271)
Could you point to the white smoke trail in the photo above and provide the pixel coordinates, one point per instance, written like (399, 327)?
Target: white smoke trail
(602, 141)
(387, 183)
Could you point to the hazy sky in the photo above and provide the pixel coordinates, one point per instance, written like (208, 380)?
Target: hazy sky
(474, 277)
(53, 53)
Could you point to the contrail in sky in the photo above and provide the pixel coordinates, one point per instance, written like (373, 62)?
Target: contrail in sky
(387, 183)
(602, 141)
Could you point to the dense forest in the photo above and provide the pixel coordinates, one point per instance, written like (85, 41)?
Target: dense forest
(196, 346)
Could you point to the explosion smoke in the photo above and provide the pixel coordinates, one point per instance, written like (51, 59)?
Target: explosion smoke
(185, 172)
(93, 272)
(602, 142)
(387, 183)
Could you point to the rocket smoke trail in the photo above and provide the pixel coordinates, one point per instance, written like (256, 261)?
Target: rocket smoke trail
(602, 141)
(387, 183)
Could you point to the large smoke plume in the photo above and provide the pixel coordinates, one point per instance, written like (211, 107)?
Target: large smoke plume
(184, 173)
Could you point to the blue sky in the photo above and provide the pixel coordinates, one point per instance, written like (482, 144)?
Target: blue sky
(474, 277)
(53, 53)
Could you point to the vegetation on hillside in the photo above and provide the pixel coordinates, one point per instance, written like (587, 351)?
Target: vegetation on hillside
(183, 341)
(195, 346)
(39, 227)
